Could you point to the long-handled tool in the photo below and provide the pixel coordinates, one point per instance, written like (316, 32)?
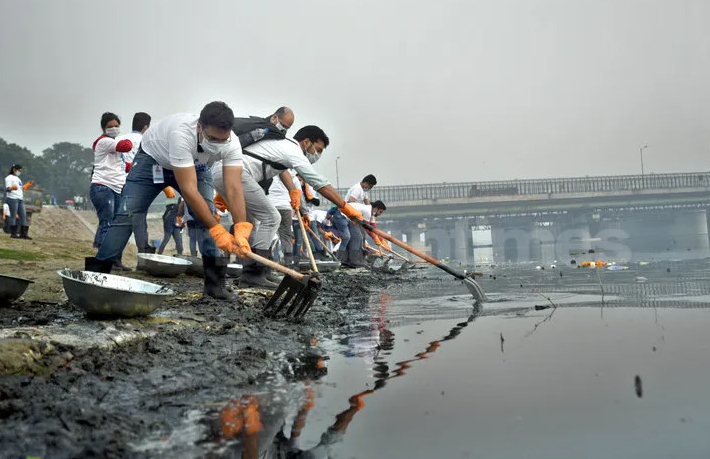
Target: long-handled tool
(401, 257)
(470, 283)
(307, 242)
(296, 292)
(313, 233)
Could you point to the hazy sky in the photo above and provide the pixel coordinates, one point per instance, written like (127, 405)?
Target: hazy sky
(410, 90)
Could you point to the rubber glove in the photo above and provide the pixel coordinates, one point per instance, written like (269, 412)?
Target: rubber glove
(351, 212)
(220, 203)
(169, 192)
(128, 167)
(377, 239)
(28, 184)
(179, 221)
(13, 188)
(242, 230)
(328, 235)
(295, 199)
(223, 239)
(306, 220)
(385, 244)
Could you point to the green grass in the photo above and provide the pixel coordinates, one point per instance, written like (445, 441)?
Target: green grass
(9, 254)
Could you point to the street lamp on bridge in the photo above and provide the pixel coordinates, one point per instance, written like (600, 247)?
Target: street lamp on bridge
(641, 152)
(337, 174)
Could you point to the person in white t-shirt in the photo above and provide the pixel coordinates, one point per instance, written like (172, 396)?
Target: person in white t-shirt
(280, 198)
(179, 151)
(16, 203)
(263, 161)
(108, 176)
(356, 194)
(141, 123)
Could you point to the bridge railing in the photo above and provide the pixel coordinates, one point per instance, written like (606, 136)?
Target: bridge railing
(469, 190)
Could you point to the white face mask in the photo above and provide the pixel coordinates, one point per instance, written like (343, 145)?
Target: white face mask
(17, 173)
(112, 132)
(210, 147)
(280, 126)
(313, 157)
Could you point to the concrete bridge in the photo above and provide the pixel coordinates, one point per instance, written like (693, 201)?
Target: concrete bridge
(617, 217)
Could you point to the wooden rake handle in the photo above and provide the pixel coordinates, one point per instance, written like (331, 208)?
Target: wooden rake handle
(273, 265)
(330, 252)
(307, 242)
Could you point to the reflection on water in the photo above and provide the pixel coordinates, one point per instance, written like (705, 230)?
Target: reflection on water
(545, 374)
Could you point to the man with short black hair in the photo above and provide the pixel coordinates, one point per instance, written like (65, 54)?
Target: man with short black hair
(179, 151)
(263, 161)
(141, 123)
(357, 194)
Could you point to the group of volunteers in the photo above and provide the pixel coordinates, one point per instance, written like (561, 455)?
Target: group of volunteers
(14, 215)
(248, 168)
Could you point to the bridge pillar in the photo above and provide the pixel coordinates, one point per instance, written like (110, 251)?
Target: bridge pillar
(439, 242)
(463, 241)
(542, 244)
(680, 234)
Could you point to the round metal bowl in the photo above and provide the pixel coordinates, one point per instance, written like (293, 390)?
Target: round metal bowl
(234, 270)
(196, 268)
(110, 295)
(11, 288)
(163, 265)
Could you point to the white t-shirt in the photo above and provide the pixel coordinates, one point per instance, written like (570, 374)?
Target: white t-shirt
(278, 194)
(6, 209)
(135, 138)
(286, 152)
(109, 168)
(172, 142)
(365, 210)
(318, 215)
(358, 193)
(13, 180)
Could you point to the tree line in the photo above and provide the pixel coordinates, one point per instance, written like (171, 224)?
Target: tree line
(62, 170)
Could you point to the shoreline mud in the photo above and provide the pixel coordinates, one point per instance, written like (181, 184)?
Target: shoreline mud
(71, 386)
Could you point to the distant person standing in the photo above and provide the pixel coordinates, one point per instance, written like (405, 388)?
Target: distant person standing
(172, 227)
(108, 177)
(16, 203)
(141, 122)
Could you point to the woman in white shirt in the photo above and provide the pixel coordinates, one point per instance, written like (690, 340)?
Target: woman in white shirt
(108, 176)
(16, 203)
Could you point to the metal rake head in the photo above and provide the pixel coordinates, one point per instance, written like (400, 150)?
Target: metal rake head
(294, 296)
(475, 290)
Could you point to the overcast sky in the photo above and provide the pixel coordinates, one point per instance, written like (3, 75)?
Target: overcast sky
(410, 90)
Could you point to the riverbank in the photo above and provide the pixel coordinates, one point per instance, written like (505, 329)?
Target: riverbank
(74, 387)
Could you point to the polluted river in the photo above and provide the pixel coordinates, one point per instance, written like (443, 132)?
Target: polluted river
(562, 362)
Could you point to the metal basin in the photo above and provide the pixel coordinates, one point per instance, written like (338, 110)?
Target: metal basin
(111, 295)
(163, 265)
(196, 268)
(234, 270)
(11, 288)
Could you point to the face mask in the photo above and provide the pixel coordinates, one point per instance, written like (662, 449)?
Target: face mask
(280, 126)
(112, 132)
(313, 157)
(17, 173)
(209, 147)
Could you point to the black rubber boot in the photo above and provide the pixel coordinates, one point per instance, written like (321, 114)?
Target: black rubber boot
(215, 278)
(118, 266)
(23, 232)
(255, 274)
(98, 266)
(15, 232)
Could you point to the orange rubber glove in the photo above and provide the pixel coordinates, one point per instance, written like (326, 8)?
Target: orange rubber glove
(385, 244)
(13, 188)
(220, 203)
(351, 212)
(169, 192)
(328, 235)
(242, 230)
(306, 220)
(28, 184)
(377, 239)
(178, 221)
(295, 199)
(223, 239)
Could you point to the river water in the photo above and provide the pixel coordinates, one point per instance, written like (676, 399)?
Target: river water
(561, 363)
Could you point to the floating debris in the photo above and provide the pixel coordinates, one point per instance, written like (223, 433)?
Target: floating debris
(637, 386)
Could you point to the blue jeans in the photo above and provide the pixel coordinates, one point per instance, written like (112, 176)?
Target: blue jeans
(341, 224)
(106, 202)
(176, 233)
(17, 206)
(139, 193)
(192, 236)
(298, 239)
